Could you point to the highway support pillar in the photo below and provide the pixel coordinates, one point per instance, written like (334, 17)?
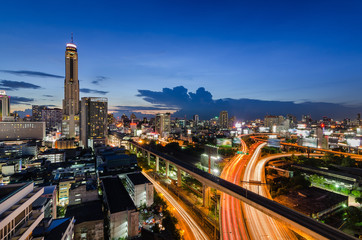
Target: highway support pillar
(167, 168)
(143, 153)
(148, 158)
(179, 179)
(157, 164)
(205, 195)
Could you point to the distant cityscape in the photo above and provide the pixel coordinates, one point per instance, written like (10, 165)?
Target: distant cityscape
(81, 173)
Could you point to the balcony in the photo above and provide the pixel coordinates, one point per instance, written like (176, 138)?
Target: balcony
(26, 229)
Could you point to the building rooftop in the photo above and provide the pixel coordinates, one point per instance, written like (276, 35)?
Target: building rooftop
(49, 189)
(55, 230)
(7, 191)
(84, 212)
(138, 178)
(117, 196)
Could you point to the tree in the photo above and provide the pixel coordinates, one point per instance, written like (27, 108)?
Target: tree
(300, 180)
(272, 171)
(356, 193)
(172, 147)
(156, 228)
(348, 162)
(169, 222)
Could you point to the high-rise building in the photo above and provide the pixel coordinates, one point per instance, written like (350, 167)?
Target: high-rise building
(232, 122)
(52, 117)
(18, 218)
(4, 105)
(163, 124)
(133, 117)
(94, 113)
(196, 118)
(224, 120)
(37, 112)
(270, 121)
(70, 123)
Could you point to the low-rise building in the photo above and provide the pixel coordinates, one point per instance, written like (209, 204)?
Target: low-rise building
(22, 130)
(60, 229)
(122, 214)
(63, 193)
(81, 193)
(53, 155)
(140, 189)
(51, 193)
(89, 220)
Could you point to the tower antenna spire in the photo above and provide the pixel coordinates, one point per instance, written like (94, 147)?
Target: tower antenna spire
(71, 39)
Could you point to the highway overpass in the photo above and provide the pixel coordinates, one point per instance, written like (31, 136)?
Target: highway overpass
(286, 215)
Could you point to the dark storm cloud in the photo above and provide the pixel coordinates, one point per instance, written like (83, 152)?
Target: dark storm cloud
(137, 108)
(99, 79)
(20, 100)
(31, 73)
(14, 85)
(87, 90)
(202, 103)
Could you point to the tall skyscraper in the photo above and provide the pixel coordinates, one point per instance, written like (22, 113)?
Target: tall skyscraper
(70, 123)
(224, 120)
(93, 118)
(163, 124)
(4, 105)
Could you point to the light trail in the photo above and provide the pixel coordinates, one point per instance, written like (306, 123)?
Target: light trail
(232, 223)
(196, 230)
(260, 225)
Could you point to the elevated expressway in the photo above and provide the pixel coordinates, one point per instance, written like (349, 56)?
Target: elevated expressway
(289, 217)
(294, 145)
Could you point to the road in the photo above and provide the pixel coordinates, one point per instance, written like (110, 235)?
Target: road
(278, 211)
(196, 230)
(232, 223)
(260, 225)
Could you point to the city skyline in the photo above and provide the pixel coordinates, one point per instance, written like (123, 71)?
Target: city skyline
(284, 52)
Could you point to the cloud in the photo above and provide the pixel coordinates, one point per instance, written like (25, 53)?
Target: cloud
(49, 96)
(175, 97)
(143, 110)
(202, 103)
(15, 85)
(20, 100)
(99, 79)
(87, 90)
(31, 73)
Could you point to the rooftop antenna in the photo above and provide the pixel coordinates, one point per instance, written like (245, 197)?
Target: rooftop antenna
(71, 39)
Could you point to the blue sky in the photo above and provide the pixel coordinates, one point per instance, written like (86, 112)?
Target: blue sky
(269, 50)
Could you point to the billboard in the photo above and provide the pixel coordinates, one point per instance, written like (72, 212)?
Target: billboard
(236, 140)
(211, 150)
(353, 142)
(226, 142)
(264, 129)
(273, 142)
(310, 142)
